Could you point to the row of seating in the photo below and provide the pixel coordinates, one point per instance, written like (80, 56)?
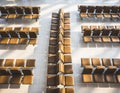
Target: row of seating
(99, 11)
(12, 37)
(20, 29)
(101, 74)
(16, 76)
(100, 62)
(59, 43)
(59, 73)
(100, 27)
(21, 63)
(19, 12)
(101, 35)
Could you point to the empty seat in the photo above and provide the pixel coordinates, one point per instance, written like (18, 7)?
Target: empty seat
(53, 58)
(115, 35)
(35, 11)
(65, 58)
(53, 49)
(9, 63)
(98, 12)
(30, 63)
(87, 36)
(95, 62)
(91, 10)
(20, 63)
(105, 35)
(14, 39)
(20, 12)
(98, 74)
(106, 11)
(87, 74)
(4, 38)
(4, 76)
(28, 12)
(83, 11)
(110, 74)
(64, 41)
(4, 12)
(64, 49)
(32, 38)
(116, 62)
(85, 62)
(23, 38)
(114, 12)
(28, 76)
(11, 12)
(96, 35)
(106, 62)
(16, 76)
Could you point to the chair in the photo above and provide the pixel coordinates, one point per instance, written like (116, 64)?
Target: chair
(106, 11)
(116, 62)
(97, 35)
(35, 11)
(83, 12)
(14, 39)
(98, 12)
(109, 74)
(30, 63)
(11, 12)
(106, 35)
(20, 12)
(53, 58)
(106, 62)
(16, 76)
(64, 26)
(114, 12)
(87, 36)
(4, 76)
(64, 49)
(69, 81)
(85, 62)
(65, 58)
(27, 76)
(87, 74)
(27, 12)
(32, 38)
(53, 49)
(20, 63)
(4, 38)
(53, 41)
(9, 63)
(65, 34)
(53, 80)
(64, 41)
(4, 12)
(98, 74)
(91, 10)
(54, 34)
(23, 38)
(95, 62)
(115, 35)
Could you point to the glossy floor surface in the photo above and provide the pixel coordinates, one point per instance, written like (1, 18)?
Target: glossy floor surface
(40, 51)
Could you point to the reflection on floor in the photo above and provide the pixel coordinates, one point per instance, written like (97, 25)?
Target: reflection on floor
(40, 51)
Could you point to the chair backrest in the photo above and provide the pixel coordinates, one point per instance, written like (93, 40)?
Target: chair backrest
(13, 34)
(3, 10)
(111, 70)
(115, 32)
(83, 9)
(99, 9)
(23, 35)
(87, 32)
(106, 32)
(15, 72)
(96, 32)
(27, 72)
(106, 9)
(4, 34)
(32, 35)
(91, 9)
(28, 10)
(36, 10)
(4, 71)
(99, 70)
(20, 10)
(114, 9)
(11, 10)
(87, 70)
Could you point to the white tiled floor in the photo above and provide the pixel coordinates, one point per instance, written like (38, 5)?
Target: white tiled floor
(40, 51)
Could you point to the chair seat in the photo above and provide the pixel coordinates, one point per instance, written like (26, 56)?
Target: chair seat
(83, 15)
(27, 79)
(27, 16)
(55, 21)
(67, 59)
(32, 41)
(14, 41)
(106, 39)
(114, 15)
(19, 16)
(99, 78)
(11, 16)
(107, 15)
(115, 39)
(87, 78)
(4, 41)
(35, 16)
(99, 15)
(97, 39)
(90, 15)
(69, 81)
(23, 41)
(67, 21)
(4, 79)
(87, 39)
(110, 79)
(4, 16)
(16, 80)
(68, 69)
